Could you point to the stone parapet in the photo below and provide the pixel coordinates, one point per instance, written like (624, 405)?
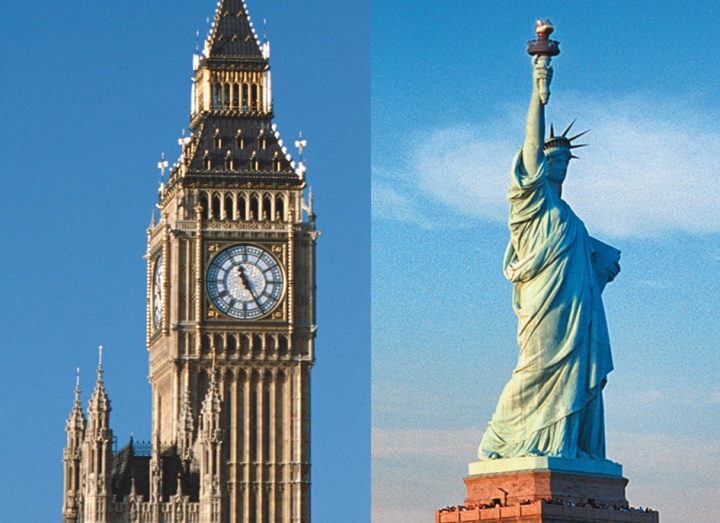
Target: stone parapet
(542, 512)
(545, 490)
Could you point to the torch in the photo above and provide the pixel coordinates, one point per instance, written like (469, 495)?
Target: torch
(544, 49)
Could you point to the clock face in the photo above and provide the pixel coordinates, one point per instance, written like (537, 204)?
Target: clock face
(158, 301)
(245, 282)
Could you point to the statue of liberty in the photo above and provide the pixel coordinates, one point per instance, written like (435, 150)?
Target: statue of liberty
(552, 406)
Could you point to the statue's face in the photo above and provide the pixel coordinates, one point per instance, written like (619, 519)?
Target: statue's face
(558, 160)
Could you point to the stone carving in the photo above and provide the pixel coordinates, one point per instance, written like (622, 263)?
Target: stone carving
(552, 405)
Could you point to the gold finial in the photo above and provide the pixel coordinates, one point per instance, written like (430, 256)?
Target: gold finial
(162, 165)
(300, 144)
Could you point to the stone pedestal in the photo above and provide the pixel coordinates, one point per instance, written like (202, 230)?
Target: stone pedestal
(545, 490)
(511, 481)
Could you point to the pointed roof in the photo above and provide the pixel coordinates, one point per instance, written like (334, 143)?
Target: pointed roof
(232, 34)
(233, 143)
(211, 406)
(76, 420)
(99, 401)
(255, 160)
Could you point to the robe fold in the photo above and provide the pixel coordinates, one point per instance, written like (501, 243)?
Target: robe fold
(552, 405)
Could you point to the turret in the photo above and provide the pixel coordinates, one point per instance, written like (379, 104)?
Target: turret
(72, 459)
(97, 454)
(210, 440)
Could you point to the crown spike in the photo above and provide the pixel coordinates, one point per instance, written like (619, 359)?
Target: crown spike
(552, 131)
(569, 127)
(578, 145)
(578, 135)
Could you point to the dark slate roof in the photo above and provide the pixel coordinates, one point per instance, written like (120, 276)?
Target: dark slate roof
(233, 43)
(232, 35)
(225, 130)
(128, 468)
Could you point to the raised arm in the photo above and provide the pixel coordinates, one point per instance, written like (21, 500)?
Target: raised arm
(535, 123)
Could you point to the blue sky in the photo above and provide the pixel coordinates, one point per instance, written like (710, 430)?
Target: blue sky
(93, 93)
(451, 82)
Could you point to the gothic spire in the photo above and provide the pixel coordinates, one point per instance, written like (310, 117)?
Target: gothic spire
(76, 422)
(232, 35)
(232, 137)
(97, 451)
(211, 404)
(99, 408)
(72, 458)
(210, 440)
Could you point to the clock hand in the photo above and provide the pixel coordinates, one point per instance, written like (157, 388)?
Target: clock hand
(246, 284)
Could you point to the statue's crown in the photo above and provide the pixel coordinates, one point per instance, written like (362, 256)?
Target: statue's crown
(554, 142)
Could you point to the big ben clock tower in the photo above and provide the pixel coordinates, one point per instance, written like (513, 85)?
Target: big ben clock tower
(231, 293)
(230, 318)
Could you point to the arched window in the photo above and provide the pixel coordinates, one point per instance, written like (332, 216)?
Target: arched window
(257, 344)
(279, 208)
(217, 139)
(205, 344)
(229, 207)
(229, 162)
(239, 140)
(241, 213)
(267, 207)
(254, 207)
(283, 345)
(254, 103)
(231, 346)
(277, 162)
(204, 203)
(245, 97)
(226, 97)
(219, 343)
(217, 96)
(207, 164)
(245, 344)
(271, 344)
(216, 206)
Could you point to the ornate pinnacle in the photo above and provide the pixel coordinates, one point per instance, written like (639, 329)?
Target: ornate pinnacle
(77, 386)
(100, 367)
(300, 144)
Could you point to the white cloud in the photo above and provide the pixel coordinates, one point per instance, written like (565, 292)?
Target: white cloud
(390, 203)
(651, 167)
(417, 471)
(715, 397)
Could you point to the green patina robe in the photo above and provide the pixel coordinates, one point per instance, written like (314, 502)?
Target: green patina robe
(552, 405)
